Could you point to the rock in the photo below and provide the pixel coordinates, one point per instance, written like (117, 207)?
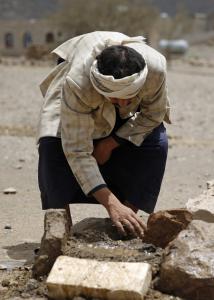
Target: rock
(3, 291)
(156, 295)
(31, 285)
(7, 227)
(210, 184)
(5, 282)
(95, 229)
(14, 283)
(9, 190)
(25, 295)
(202, 207)
(56, 233)
(72, 277)
(21, 160)
(18, 167)
(164, 226)
(188, 265)
(3, 267)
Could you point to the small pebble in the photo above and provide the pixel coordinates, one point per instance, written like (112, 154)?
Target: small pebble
(14, 283)
(25, 295)
(18, 167)
(3, 267)
(7, 227)
(21, 159)
(5, 282)
(32, 284)
(9, 190)
(20, 289)
(3, 291)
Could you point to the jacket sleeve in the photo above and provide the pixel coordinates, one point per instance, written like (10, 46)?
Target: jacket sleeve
(153, 109)
(77, 126)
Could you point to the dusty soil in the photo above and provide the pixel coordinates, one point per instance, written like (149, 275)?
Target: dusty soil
(190, 161)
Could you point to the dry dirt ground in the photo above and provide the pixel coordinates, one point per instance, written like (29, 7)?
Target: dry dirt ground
(189, 166)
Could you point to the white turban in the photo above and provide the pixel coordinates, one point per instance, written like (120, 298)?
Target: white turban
(123, 88)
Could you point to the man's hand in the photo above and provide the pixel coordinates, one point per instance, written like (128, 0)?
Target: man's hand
(103, 149)
(124, 218)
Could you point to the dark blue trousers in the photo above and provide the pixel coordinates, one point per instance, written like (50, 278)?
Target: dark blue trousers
(132, 173)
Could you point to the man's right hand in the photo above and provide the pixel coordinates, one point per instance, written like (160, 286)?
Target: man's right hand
(124, 218)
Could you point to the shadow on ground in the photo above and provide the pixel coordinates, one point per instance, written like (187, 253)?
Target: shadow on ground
(24, 251)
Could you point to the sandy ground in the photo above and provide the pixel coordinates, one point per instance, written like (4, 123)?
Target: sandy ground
(190, 161)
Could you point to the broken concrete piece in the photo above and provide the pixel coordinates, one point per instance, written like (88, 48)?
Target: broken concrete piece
(164, 226)
(202, 207)
(56, 233)
(188, 265)
(72, 277)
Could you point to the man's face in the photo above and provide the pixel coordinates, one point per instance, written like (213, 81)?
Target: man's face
(120, 102)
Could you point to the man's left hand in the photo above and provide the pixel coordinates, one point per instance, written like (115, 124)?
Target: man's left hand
(103, 149)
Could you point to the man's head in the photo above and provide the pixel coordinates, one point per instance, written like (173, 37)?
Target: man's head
(120, 61)
(119, 72)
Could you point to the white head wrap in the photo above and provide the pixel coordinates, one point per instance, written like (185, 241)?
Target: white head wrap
(123, 88)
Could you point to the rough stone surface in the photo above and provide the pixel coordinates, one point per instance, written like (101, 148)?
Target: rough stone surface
(96, 238)
(188, 266)
(72, 277)
(202, 207)
(164, 226)
(56, 233)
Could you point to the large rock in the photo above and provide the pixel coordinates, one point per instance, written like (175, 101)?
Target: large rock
(202, 207)
(164, 226)
(72, 277)
(188, 266)
(56, 234)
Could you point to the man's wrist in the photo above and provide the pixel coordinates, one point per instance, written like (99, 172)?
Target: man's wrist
(105, 197)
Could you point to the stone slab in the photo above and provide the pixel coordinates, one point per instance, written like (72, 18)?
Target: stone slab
(187, 269)
(72, 277)
(56, 234)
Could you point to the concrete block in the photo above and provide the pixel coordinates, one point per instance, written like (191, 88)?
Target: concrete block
(72, 277)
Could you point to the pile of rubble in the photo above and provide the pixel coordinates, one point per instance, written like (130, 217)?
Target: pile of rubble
(92, 262)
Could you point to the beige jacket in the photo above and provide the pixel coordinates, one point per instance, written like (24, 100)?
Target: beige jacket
(74, 111)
